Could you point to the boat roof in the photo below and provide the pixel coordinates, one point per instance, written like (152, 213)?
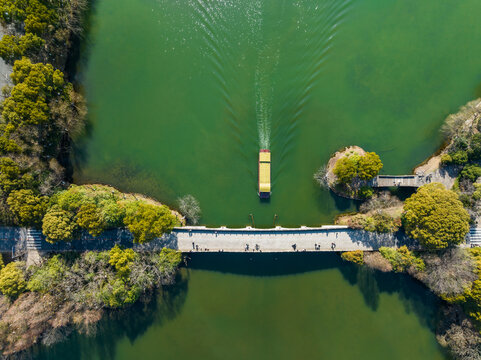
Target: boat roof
(265, 156)
(264, 172)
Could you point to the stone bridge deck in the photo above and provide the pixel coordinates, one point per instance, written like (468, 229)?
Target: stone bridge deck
(202, 239)
(326, 238)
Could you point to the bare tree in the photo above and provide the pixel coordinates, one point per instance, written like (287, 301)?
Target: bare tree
(449, 273)
(190, 208)
(321, 177)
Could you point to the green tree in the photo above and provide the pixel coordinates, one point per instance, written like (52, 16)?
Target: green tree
(12, 280)
(471, 172)
(90, 218)
(27, 207)
(435, 217)
(150, 221)
(13, 47)
(121, 259)
(346, 168)
(11, 177)
(35, 86)
(459, 157)
(58, 225)
(369, 165)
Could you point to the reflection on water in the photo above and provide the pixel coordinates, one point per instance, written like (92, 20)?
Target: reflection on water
(221, 294)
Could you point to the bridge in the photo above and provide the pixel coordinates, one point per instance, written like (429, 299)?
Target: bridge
(223, 239)
(200, 239)
(413, 181)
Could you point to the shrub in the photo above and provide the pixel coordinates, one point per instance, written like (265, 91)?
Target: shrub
(365, 192)
(435, 217)
(150, 221)
(446, 159)
(356, 256)
(401, 259)
(169, 259)
(12, 280)
(471, 172)
(58, 225)
(116, 293)
(48, 276)
(460, 157)
(121, 259)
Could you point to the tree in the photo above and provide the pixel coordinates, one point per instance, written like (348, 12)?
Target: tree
(471, 172)
(58, 225)
(121, 259)
(11, 177)
(369, 165)
(35, 86)
(190, 208)
(90, 218)
(12, 280)
(27, 207)
(150, 221)
(346, 168)
(13, 47)
(451, 272)
(435, 217)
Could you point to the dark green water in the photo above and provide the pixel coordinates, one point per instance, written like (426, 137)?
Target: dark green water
(270, 307)
(182, 93)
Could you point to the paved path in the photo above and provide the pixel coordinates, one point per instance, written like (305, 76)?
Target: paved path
(326, 238)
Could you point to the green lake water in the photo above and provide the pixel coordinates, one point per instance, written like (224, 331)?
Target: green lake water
(183, 93)
(265, 307)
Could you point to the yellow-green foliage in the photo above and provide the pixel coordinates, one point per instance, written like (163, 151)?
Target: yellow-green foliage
(354, 165)
(90, 218)
(356, 256)
(378, 222)
(47, 276)
(27, 206)
(121, 259)
(117, 293)
(35, 86)
(58, 225)
(38, 17)
(169, 259)
(100, 207)
(12, 280)
(435, 217)
(149, 222)
(402, 259)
